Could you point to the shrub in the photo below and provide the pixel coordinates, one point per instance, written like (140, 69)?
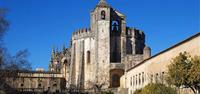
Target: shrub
(156, 89)
(107, 92)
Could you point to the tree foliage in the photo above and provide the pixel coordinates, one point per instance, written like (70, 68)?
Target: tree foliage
(107, 92)
(3, 26)
(194, 73)
(184, 71)
(8, 62)
(178, 70)
(156, 88)
(10, 65)
(18, 62)
(3, 22)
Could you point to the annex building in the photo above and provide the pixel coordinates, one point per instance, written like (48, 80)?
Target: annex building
(154, 68)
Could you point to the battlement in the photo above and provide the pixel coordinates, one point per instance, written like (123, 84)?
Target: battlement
(81, 31)
(130, 31)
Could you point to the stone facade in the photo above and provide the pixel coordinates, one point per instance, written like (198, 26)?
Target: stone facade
(107, 53)
(100, 53)
(60, 62)
(37, 81)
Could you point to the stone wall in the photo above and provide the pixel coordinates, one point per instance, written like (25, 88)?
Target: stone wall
(37, 81)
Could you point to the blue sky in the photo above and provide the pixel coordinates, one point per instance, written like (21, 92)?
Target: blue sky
(38, 25)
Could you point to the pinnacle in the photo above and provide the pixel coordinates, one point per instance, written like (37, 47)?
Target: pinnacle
(102, 3)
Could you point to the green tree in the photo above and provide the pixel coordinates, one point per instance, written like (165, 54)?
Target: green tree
(194, 72)
(156, 88)
(178, 70)
(138, 91)
(184, 72)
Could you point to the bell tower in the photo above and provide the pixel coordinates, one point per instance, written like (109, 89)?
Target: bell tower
(108, 27)
(100, 26)
(100, 13)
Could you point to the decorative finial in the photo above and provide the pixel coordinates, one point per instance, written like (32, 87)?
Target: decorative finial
(103, 3)
(53, 50)
(64, 47)
(56, 50)
(53, 53)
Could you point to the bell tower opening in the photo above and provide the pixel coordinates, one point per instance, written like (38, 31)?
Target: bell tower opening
(103, 15)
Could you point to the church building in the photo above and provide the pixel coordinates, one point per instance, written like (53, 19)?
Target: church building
(100, 53)
(109, 54)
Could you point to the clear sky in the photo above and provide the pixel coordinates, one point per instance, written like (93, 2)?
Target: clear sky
(38, 25)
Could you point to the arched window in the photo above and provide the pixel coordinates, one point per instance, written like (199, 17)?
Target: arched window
(115, 26)
(39, 85)
(133, 80)
(65, 61)
(139, 79)
(136, 80)
(22, 85)
(103, 15)
(156, 78)
(55, 85)
(142, 77)
(88, 56)
(151, 78)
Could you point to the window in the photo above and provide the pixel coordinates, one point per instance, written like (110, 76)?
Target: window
(22, 85)
(142, 77)
(162, 77)
(115, 26)
(156, 77)
(151, 78)
(55, 85)
(88, 56)
(39, 85)
(136, 80)
(139, 79)
(103, 15)
(131, 81)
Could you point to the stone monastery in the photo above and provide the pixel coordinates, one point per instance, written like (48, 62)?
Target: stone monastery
(98, 54)
(107, 53)
(113, 54)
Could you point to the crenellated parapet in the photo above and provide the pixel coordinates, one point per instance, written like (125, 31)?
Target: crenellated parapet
(80, 33)
(133, 32)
